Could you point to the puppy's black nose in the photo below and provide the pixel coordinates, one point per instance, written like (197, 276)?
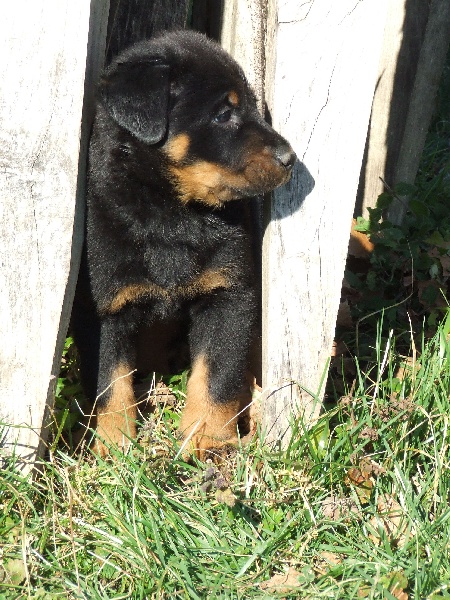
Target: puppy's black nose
(286, 156)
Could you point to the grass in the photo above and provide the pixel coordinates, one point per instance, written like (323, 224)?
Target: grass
(358, 507)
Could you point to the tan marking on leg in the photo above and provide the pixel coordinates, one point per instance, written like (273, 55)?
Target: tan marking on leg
(207, 425)
(177, 147)
(117, 418)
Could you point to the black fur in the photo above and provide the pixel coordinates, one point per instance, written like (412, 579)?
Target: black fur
(177, 135)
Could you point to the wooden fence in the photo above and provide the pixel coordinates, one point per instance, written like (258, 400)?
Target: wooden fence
(315, 65)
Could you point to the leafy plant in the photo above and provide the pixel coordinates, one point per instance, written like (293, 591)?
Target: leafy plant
(407, 275)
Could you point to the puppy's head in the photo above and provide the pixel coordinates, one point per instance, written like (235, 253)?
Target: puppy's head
(184, 97)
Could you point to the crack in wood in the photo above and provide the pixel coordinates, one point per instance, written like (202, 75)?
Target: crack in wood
(320, 112)
(350, 12)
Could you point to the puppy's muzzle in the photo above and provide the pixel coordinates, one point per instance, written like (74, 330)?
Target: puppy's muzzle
(286, 157)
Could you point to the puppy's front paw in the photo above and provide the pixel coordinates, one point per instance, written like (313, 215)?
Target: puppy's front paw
(115, 430)
(209, 435)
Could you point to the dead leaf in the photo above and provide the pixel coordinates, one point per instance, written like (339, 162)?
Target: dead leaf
(407, 368)
(439, 302)
(444, 259)
(408, 280)
(326, 560)
(226, 496)
(364, 591)
(396, 582)
(336, 508)
(360, 479)
(282, 583)
(445, 264)
(391, 521)
(360, 245)
(400, 594)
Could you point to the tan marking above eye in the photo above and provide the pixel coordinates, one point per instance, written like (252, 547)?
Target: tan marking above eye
(233, 98)
(177, 147)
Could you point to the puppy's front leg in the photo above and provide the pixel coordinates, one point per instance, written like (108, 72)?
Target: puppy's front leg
(217, 389)
(115, 402)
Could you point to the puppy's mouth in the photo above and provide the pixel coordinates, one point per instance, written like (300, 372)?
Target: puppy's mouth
(214, 184)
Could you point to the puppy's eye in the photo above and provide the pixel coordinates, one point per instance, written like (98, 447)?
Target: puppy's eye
(224, 116)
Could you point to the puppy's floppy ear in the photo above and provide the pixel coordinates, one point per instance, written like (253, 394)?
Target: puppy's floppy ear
(136, 95)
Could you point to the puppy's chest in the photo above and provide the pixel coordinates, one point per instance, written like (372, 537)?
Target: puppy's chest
(175, 265)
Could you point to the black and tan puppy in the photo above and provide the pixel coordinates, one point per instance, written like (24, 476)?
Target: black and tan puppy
(177, 144)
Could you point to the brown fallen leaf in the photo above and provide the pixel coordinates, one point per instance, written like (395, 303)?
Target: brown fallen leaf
(326, 560)
(360, 245)
(226, 496)
(390, 520)
(360, 478)
(282, 582)
(336, 508)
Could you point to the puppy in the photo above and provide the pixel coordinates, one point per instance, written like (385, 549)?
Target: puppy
(177, 147)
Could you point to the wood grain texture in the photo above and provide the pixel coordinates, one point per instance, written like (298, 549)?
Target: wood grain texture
(403, 37)
(431, 62)
(133, 20)
(243, 36)
(321, 67)
(51, 53)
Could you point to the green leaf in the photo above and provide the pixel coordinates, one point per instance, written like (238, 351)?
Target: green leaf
(419, 209)
(16, 571)
(404, 189)
(429, 295)
(437, 239)
(372, 280)
(362, 225)
(384, 200)
(320, 438)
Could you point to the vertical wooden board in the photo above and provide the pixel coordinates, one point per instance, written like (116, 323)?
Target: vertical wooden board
(403, 36)
(134, 20)
(322, 61)
(377, 141)
(242, 35)
(433, 54)
(44, 47)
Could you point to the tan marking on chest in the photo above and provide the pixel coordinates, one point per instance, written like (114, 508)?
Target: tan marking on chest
(204, 283)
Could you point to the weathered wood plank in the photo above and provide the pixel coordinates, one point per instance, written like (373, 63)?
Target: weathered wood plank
(243, 36)
(51, 52)
(429, 70)
(322, 62)
(403, 37)
(136, 20)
